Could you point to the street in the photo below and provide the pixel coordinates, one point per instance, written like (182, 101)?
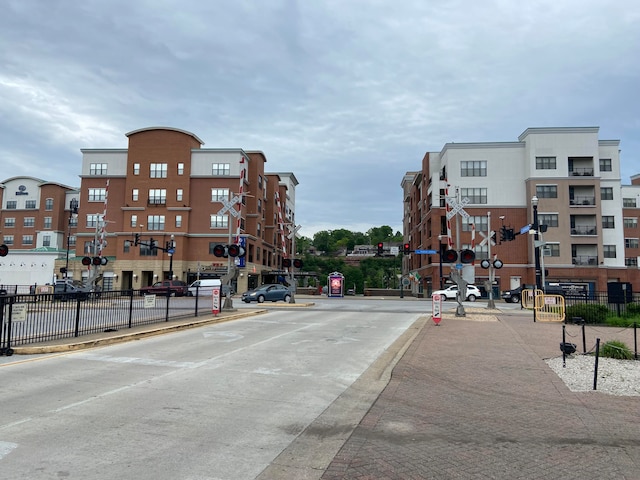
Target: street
(216, 402)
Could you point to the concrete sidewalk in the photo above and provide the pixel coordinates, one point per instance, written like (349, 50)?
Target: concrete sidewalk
(474, 399)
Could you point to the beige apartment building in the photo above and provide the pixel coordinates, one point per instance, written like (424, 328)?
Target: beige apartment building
(568, 178)
(167, 189)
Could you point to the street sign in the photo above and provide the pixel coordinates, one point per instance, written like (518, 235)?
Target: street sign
(525, 229)
(426, 252)
(436, 315)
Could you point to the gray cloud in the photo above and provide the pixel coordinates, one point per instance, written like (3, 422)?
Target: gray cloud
(347, 95)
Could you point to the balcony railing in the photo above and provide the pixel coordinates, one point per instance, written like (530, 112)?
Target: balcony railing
(583, 200)
(584, 172)
(584, 230)
(584, 260)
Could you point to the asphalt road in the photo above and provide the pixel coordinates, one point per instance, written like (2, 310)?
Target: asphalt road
(216, 402)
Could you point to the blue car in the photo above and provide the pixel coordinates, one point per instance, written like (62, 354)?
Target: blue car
(270, 292)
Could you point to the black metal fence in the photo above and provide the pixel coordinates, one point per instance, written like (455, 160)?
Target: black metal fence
(615, 303)
(27, 318)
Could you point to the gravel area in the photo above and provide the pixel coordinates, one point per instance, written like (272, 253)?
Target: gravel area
(615, 377)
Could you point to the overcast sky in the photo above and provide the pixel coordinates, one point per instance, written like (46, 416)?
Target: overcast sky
(346, 94)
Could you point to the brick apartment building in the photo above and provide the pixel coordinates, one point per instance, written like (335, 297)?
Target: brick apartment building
(166, 187)
(591, 218)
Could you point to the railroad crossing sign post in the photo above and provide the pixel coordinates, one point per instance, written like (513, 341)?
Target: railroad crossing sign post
(227, 207)
(457, 210)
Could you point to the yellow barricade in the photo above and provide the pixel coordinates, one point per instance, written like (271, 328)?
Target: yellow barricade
(527, 297)
(550, 308)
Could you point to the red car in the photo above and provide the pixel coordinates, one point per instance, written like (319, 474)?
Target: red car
(175, 288)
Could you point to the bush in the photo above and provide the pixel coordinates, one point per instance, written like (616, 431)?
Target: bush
(616, 349)
(633, 309)
(592, 313)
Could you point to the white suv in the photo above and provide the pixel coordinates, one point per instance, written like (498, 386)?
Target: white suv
(450, 293)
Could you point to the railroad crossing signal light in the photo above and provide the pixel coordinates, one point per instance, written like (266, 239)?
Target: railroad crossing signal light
(297, 263)
(450, 256)
(219, 250)
(406, 249)
(467, 256)
(380, 248)
(497, 264)
(286, 262)
(86, 261)
(4, 250)
(235, 250)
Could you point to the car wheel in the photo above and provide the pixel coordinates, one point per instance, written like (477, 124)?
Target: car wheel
(261, 299)
(471, 298)
(515, 299)
(287, 298)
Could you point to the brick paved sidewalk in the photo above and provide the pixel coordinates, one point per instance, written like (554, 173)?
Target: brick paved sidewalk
(474, 399)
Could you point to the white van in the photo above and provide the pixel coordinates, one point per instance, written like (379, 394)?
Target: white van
(205, 287)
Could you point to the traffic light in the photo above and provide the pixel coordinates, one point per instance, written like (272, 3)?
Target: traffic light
(219, 250)
(467, 256)
(510, 234)
(286, 262)
(406, 249)
(4, 250)
(449, 256)
(297, 263)
(380, 248)
(235, 250)
(86, 261)
(503, 234)
(136, 242)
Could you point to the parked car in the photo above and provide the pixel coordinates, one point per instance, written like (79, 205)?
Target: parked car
(71, 291)
(176, 288)
(512, 296)
(271, 292)
(450, 293)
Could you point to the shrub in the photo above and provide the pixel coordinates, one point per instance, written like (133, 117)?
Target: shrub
(633, 308)
(616, 349)
(592, 313)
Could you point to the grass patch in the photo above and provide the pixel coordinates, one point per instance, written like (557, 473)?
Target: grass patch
(616, 349)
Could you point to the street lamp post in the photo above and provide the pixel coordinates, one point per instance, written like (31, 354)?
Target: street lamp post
(73, 213)
(536, 253)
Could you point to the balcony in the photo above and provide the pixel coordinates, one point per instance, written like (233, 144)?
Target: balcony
(583, 200)
(581, 172)
(584, 230)
(584, 260)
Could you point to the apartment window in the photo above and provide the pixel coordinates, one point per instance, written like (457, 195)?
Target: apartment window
(547, 191)
(482, 252)
(31, 204)
(609, 251)
(221, 169)
(219, 194)
(47, 222)
(147, 251)
(136, 169)
(97, 194)
(157, 196)
(473, 168)
(29, 221)
(606, 193)
(259, 231)
(9, 222)
(545, 163)
(259, 205)
(7, 239)
(158, 170)
(12, 205)
(629, 222)
(631, 261)
(179, 194)
(475, 195)
(155, 222)
(98, 169)
(181, 169)
(27, 240)
(46, 240)
(73, 222)
(629, 202)
(608, 221)
(260, 181)
(481, 223)
(92, 220)
(630, 243)
(72, 240)
(135, 194)
(548, 219)
(605, 164)
(126, 246)
(48, 204)
(553, 249)
(178, 221)
(219, 221)
(134, 221)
